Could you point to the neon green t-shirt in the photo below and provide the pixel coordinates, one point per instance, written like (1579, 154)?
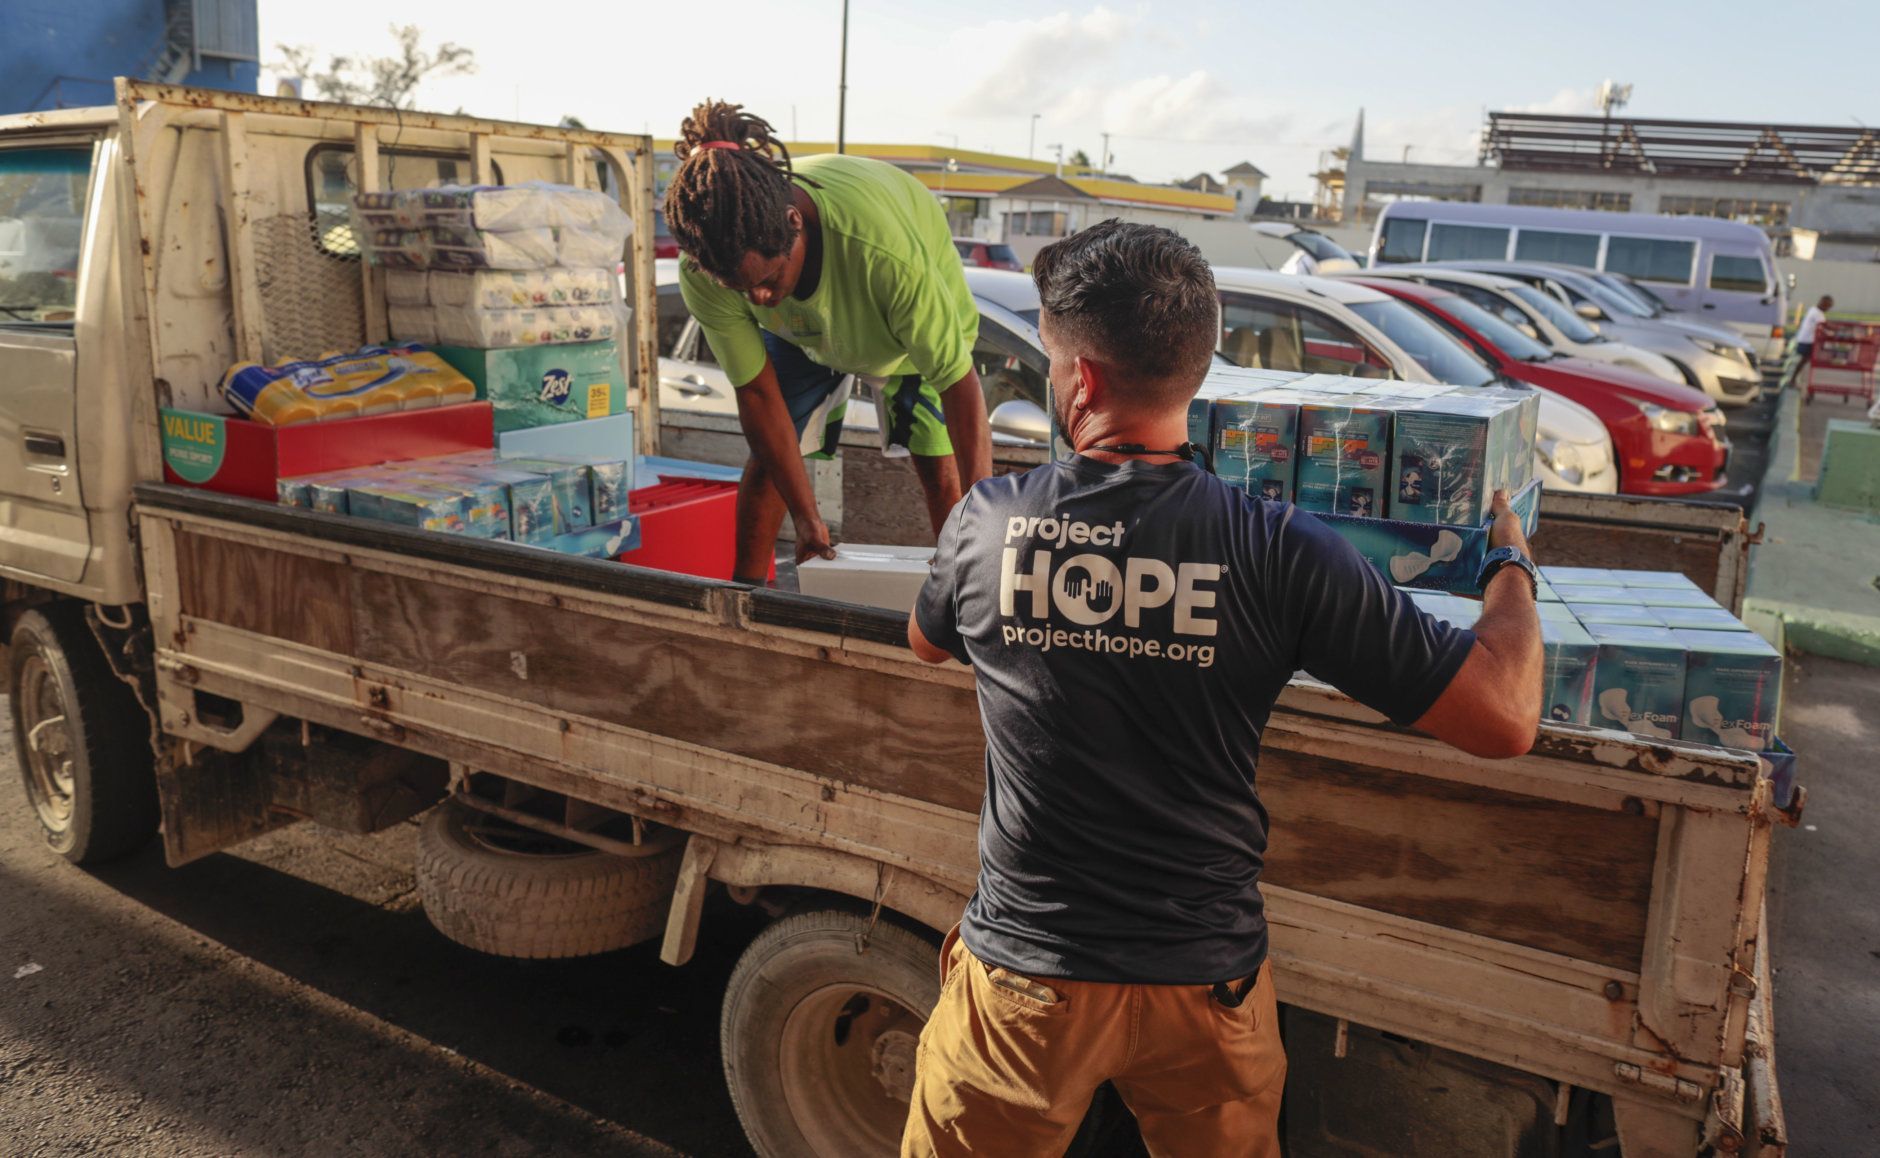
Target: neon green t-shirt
(892, 298)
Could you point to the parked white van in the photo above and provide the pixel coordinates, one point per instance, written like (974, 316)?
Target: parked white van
(1722, 271)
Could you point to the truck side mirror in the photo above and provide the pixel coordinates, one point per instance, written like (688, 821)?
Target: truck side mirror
(1018, 418)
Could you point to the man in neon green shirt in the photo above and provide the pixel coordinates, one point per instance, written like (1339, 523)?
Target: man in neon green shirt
(803, 274)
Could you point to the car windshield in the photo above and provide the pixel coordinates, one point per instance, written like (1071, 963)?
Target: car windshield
(1638, 295)
(1494, 331)
(1563, 319)
(1617, 304)
(1321, 247)
(1446, 359)
(1001, 253)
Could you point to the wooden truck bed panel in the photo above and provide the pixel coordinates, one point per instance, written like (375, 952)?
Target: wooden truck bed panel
(1567, 912)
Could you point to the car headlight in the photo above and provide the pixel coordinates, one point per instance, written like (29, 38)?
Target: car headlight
(1723, 350)
(1563, 458)
(1669, 421)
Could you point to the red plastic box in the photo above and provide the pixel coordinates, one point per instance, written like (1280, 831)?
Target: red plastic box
(239, 456)
(687, 525)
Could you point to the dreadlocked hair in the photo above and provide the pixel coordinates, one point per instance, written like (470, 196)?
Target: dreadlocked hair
(723, 203)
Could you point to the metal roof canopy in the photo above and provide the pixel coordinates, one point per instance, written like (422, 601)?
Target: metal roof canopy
(1718, 150)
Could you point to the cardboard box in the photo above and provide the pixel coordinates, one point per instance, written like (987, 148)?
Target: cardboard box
(1558, 612)
(1699, 618)
(1572, 593)
(239, 456)
(1655, 580)
(1344, 451)
(1452, 452)
(1569, 659)
(608, 541)
(572, 487)
(1638, 682)
(1430, 556)
(487, 513)
(1732, 688)
(1579, 575)
(877, 576)
(1655, 597)
(410, 505)
(294, 492)
(610, 437)
(1632, 613)
(1255, 441)
(541, 385)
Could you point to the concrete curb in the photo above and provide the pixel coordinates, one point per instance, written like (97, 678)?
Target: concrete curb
(1815, 630)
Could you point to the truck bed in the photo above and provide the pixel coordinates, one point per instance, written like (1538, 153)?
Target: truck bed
(1589, 912)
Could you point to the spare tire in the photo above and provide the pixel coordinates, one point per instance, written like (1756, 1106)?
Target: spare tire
(513, 892)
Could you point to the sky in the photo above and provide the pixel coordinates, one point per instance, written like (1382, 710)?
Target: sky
(1183, 87)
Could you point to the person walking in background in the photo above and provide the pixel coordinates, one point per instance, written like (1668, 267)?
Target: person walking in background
(1804, 343)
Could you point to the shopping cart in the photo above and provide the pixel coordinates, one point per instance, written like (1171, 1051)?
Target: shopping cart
(1842, 362)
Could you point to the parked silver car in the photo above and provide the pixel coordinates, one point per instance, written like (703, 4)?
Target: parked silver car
(1720, 364)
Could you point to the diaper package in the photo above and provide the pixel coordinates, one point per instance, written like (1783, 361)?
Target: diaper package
(407, 287)
(1453, 451)
(572, 486)
(1343, 449)
(1631, 613)
(489, 227)
(1254, 440)
(375, 380)
(1732, 688)
(575, 248)
(1569, 659)
(459, 247)
(1638, 681)
(531, 290)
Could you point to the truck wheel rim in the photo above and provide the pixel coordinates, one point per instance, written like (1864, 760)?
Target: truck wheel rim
(50, 782)
(847, 1063)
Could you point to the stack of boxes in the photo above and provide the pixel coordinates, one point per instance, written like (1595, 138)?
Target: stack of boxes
(1646, 652)
(1404, 471)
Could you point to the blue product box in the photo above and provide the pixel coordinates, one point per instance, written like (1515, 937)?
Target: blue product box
(294, 492)
(1656, 580)
(1656, 597)
(607, 541)
(1201, 406)
(1700, 618)
(1429, 555)
(1582, 575)
(1452, 452)
(1732, 688)
(1255, 438)
(486, 502)
(410, 505)
(1344, 452)
(610, 437)
(1778, 767)
(1569, 658)
(1616, 613)
(1638, 681)
(650, 468)
(1556, 611)
(1588, 593)
(572, 487)
(609, 481)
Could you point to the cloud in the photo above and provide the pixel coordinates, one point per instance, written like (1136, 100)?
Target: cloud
(1043, 61)
(1567, 100)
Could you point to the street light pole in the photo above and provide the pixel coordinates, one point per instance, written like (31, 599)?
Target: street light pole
(1031, 150)
(842, 92)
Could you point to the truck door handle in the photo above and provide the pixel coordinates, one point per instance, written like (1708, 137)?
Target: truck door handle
(1710, 305)
(50, 445)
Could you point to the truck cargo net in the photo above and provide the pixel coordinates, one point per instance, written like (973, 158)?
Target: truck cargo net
(311, 302)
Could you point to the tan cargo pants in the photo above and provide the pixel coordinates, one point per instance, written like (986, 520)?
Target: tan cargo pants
(1007, 1064)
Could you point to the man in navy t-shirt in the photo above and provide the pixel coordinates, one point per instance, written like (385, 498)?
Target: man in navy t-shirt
(1131, 619)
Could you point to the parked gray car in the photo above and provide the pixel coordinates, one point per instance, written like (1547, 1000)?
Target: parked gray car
(1721, 364)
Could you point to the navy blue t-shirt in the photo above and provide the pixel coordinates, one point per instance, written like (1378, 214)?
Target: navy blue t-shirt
(1130, 627)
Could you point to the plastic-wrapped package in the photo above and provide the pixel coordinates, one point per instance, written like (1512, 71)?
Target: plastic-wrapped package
(463, 247)
(407, 287)
(533, 289)
(485, 329)
(407, 249)
(375, 380)
(577, 248)
(412, 324)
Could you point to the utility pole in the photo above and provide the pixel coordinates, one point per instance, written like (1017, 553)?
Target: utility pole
(1103, 162)
(1031, 150)
(1060, 157)
(842, 92)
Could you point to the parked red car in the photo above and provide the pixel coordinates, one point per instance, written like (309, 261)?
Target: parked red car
(1667, 437)
(987, 254)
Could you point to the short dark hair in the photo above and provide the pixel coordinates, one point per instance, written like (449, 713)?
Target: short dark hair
(1140, 297)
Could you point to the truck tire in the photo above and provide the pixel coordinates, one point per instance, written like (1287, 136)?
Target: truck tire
(81, 740)
(512, 892)
(819, 1036)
